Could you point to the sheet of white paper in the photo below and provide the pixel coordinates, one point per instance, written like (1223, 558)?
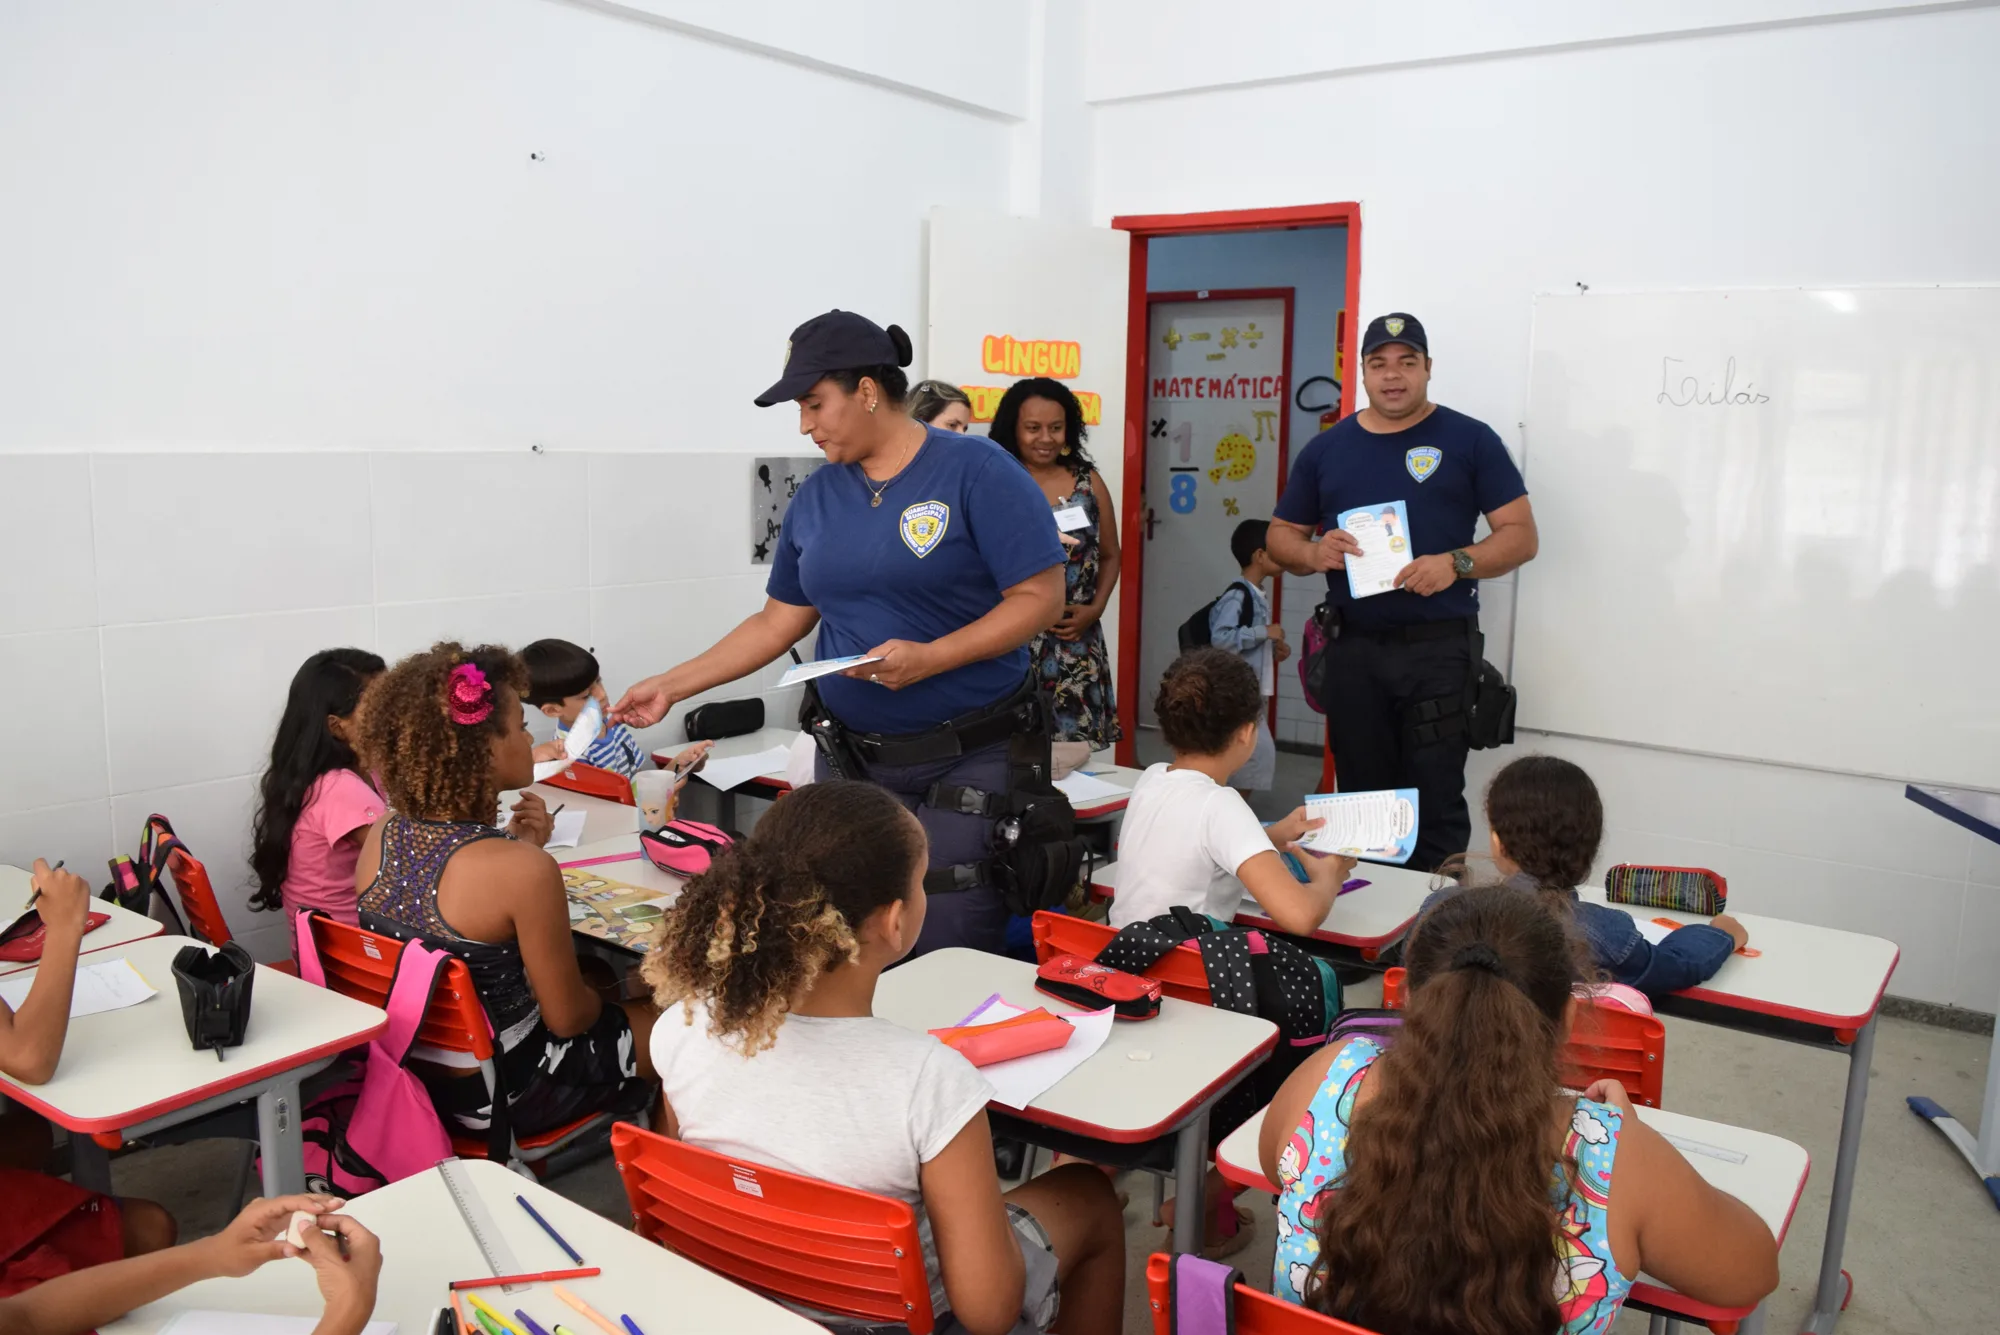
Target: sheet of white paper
(800, 761)
(823, 667)
(589, 726)
(726, 772)
(1384, 534)
(568, 831)
(1019, 1082)
(108, 986)
(1081, 788)
(251, 1323)
(1651, 930)
(548, 769)
(1071, 518)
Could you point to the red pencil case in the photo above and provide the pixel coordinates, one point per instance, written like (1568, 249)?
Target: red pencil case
(1003, 1040)
(594, 782)
(22, 942)
(1083, 982)
(684, 847)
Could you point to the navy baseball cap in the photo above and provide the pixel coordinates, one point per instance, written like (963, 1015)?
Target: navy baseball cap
(1395, 327)
(836, 341)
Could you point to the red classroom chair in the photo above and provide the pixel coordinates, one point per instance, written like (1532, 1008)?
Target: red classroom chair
(362, 964)
(1180, 972)
(1606, 1042)
(1255, 1313)
(831, 1248)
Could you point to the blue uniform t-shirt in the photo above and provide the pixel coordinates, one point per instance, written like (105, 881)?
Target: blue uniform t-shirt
(961, 523)
(1448, 470)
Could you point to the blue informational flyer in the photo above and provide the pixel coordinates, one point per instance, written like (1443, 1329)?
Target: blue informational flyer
(1377, 827)
(1384, 534)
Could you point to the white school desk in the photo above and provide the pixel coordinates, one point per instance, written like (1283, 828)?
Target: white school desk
(1811, 985)
(1765, 1172)
(1979, 813)
(1152, 1078)
(425, 1245)
(1369, 920)
(133, 1071)
(17, 887)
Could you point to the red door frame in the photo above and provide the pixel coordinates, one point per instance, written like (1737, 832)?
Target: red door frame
(1286, 295)
(1143, 228)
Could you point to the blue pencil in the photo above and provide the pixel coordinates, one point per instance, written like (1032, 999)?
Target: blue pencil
(631, 1325)
(529, 1323)
(550, 1229)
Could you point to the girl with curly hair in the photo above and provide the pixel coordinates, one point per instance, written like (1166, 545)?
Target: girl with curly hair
(768, 1049)
(1448, 1186)
(444, 730)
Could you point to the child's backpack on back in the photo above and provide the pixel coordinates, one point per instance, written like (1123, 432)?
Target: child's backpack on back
(1253, 973)
(381, 1127)
(1193, 632)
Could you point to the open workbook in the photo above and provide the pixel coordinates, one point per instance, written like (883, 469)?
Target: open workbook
(1378, 827)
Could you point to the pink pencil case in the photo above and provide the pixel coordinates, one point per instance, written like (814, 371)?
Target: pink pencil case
(684, 847)
(1004, 1040)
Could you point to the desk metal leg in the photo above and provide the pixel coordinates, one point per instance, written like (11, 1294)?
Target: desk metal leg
(1190, 1172)
(725, 809)
(1833, 1289)
(1982, 1153)
(1754, 1323)
(278, 1136)
(89, 1163)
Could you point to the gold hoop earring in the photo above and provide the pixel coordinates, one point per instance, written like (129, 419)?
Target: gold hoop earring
(1065, 451)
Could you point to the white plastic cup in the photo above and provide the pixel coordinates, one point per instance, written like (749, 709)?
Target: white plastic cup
(653, 790)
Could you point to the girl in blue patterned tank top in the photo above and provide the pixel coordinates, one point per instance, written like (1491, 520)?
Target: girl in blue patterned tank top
(1448, 1184)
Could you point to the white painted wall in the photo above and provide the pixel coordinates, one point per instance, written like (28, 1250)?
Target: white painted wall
(1838, 153)
(298, 257)
(1313, 262)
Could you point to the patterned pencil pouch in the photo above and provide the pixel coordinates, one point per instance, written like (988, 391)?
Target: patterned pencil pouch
(1681, 889)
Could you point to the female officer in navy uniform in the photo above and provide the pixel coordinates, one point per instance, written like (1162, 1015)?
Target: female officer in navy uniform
(934, 552)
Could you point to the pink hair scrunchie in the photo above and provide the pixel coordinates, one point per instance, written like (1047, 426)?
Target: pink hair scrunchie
(468, 695)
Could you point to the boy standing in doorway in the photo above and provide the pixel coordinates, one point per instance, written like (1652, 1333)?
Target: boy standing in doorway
(1260, 640)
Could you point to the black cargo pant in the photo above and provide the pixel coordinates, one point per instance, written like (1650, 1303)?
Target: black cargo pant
(1374, 679)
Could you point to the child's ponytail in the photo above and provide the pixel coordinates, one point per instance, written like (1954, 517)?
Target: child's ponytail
(778, 909)
(1444, 1221)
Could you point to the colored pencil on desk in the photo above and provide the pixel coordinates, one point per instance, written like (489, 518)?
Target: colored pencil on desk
(533, 1327)
(488, 1325)
(492, 1314)
(458, 1309)
(631, 1325)
(584, 1309)
(550, 1229)
(539, 1277)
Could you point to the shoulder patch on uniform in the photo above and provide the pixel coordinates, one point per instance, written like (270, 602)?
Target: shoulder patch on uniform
(1423, 461)
(923, 526)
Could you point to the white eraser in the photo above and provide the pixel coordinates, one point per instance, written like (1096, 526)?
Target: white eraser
(1139, 1055)
(295, 1232)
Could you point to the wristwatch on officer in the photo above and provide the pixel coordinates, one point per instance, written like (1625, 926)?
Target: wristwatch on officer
(1461, 563)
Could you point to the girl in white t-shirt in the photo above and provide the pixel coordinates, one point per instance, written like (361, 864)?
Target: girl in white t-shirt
(1189, 839)
(768, 1049)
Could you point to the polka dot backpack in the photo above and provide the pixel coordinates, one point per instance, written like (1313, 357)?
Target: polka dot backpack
(1250, 972)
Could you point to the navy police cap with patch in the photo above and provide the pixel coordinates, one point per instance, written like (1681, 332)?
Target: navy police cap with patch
(836, 341)
(1395, 327)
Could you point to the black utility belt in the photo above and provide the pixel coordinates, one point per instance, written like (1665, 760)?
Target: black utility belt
(1455, 629)
(971, 731)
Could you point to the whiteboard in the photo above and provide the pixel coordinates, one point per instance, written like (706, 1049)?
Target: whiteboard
(1770, 527)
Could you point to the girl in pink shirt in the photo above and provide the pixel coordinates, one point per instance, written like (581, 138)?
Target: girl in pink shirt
(316, 806)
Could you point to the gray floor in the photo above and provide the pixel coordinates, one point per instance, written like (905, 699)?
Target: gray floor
(1922, 1231)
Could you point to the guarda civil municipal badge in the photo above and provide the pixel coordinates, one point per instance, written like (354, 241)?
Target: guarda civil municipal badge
(923, 526)
(1423, 461)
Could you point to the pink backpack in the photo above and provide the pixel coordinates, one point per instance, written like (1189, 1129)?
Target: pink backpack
(382, 1127)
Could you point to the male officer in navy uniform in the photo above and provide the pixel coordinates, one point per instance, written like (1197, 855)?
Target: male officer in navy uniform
(1395, 652)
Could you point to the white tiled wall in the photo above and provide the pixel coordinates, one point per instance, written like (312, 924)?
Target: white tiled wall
(1824, 848)
(157, 605)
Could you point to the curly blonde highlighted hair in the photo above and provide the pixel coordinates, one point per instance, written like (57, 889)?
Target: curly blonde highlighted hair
(430, 767)
(780, 908)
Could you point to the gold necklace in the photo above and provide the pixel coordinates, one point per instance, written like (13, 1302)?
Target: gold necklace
(875, 493)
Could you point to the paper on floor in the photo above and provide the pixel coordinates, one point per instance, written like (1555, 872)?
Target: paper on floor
(110, 985)
(726, 772)
(1019, 1082)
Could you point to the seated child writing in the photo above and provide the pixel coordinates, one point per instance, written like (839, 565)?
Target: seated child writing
(444, 730)
(315, 803)
(768, 1049)
(347, 1271)
(1249, 631)
(562, 679)
(1416, 1183)
(50, 1227)
(1188, 837)
(1546, 822)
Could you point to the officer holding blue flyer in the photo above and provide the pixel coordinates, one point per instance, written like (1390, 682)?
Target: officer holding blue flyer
(927, 561)
(1398, 489)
